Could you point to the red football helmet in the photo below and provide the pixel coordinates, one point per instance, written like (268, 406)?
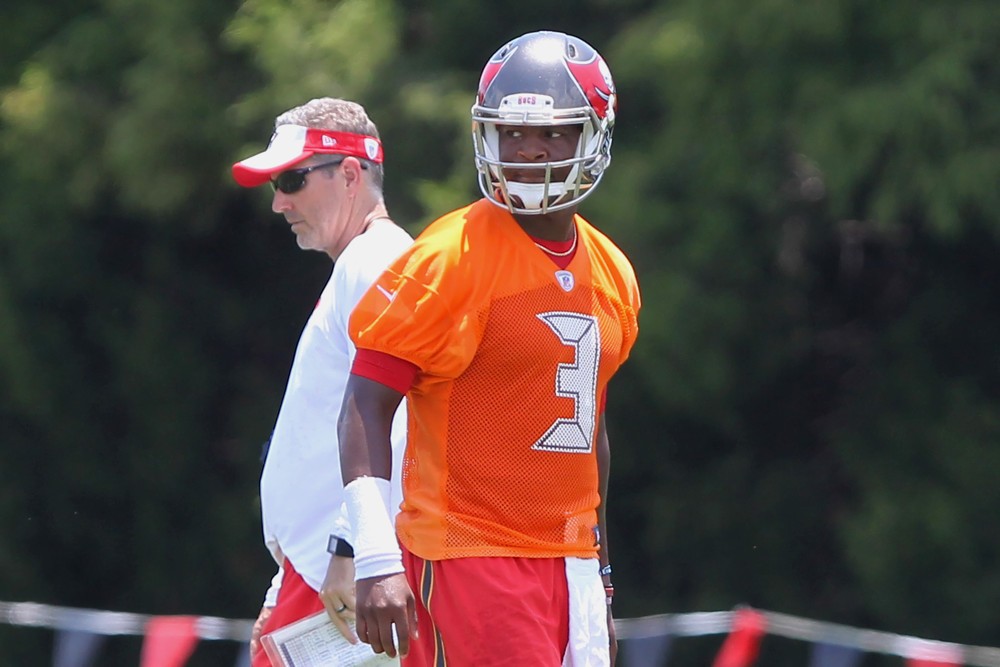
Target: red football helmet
(544, 78)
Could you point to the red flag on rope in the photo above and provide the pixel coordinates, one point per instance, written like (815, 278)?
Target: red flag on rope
(170, 641)
(926, 653)
(743, 643)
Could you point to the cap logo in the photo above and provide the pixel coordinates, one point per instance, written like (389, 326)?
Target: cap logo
(371, 148)
(328, 141)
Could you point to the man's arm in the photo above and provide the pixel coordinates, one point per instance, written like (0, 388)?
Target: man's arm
(363, 429)
(603, 473)
(384, 599)
(337, 589)
(337, 594)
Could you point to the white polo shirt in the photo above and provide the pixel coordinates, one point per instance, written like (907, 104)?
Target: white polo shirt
(301, 488)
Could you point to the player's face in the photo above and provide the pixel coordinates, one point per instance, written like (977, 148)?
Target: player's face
(531, 144)
(318, 212)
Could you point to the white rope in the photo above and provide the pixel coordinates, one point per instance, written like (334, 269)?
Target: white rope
(693, 624)
(794, 627)
(99, 622)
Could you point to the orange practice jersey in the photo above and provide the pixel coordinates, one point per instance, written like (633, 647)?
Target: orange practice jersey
(513, 354)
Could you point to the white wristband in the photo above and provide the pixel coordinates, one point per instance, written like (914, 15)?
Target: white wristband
(376, 551)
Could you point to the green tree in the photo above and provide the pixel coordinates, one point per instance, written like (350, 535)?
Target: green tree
(139, 364)
(808, 192)
(793, 183)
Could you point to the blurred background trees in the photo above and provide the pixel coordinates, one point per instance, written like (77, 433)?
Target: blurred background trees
(808, 192)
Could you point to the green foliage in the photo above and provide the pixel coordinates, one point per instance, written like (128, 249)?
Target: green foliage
(807, 191)
(312, 48)
(139, 368)
(783, 171)
(919, 443)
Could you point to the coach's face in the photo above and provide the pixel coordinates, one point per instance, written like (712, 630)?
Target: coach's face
(320, 211)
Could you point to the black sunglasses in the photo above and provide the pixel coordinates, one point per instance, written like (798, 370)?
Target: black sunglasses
(293, 180)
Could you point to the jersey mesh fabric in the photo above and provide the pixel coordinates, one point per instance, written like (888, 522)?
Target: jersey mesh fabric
(500, 459)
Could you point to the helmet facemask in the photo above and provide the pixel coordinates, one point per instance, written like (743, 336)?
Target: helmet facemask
(538, 80)
(592, 155)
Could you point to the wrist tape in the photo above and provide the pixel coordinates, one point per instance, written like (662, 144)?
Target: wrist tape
(376, 551)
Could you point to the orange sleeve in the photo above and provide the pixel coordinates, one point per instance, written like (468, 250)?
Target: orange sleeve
(420, 310)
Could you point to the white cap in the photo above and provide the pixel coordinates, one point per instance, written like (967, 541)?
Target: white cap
(291, 144)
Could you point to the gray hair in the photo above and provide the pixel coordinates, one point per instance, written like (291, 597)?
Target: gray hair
(329, 113)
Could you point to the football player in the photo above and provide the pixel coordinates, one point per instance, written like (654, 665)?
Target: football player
(502, 326)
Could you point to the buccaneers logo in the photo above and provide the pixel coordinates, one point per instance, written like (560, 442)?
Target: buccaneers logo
(594, 78)
(572, 72)
(493, 67)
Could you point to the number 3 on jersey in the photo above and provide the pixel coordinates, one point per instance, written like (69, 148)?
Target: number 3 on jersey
(577, 381)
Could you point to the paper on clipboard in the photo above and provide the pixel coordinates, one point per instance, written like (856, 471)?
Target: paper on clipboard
(315, 642)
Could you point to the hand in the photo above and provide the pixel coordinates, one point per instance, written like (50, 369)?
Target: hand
(258, 625)
(337, 594)
(385, 602)
(612, 638)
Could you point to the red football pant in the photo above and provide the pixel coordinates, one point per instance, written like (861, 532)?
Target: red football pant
(296, 600)
(481, 612)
